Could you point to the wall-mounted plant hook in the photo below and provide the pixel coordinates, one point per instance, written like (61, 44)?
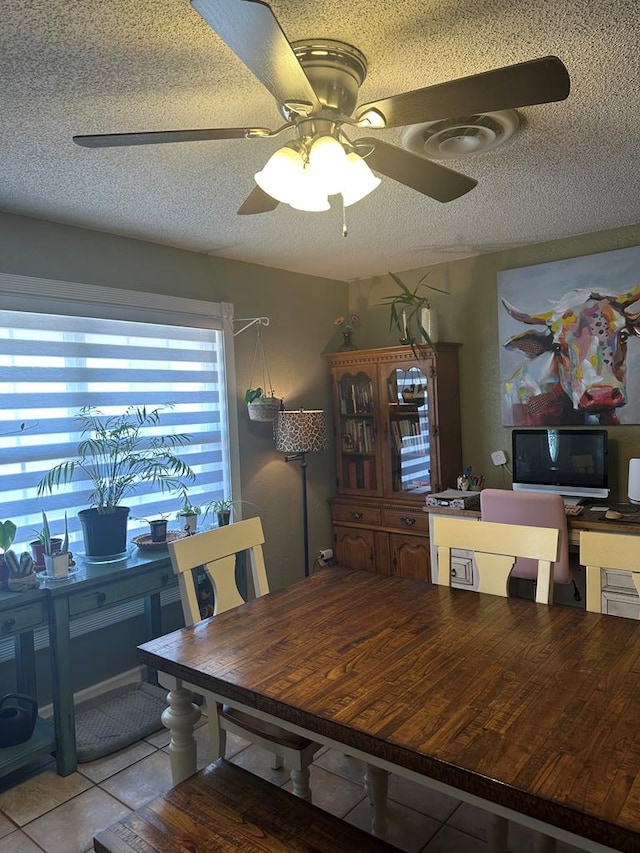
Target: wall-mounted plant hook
(250, 321)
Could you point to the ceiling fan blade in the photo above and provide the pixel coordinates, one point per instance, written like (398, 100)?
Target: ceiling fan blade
(538, 81)
(258, 201)
(155, 137)
(253, 33)
(425, 176)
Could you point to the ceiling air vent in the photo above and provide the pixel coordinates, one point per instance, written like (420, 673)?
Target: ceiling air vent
(452, 139)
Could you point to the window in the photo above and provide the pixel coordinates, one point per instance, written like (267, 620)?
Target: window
(64, 346)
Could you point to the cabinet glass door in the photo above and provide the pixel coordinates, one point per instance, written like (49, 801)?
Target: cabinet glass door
(408, 411)
(357, 465)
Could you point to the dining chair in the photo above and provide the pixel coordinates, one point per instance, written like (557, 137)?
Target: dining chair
(600, 552)
(537, 510)
(215, 551)
(496, 547)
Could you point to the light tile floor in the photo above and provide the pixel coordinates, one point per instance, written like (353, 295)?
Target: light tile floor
(41, 811)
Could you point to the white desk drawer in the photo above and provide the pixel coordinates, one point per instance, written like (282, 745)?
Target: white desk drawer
(619, 604)
(461, 568)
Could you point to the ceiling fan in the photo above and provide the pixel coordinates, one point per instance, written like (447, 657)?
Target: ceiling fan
(315, 84)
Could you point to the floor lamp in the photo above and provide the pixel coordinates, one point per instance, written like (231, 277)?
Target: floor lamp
(298, 433)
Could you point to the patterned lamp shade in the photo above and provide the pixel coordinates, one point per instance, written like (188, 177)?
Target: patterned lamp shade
(301, 431)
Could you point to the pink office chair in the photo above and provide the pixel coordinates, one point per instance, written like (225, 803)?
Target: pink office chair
(538, 510)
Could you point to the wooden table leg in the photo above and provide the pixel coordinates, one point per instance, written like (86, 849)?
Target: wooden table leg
(180, 718)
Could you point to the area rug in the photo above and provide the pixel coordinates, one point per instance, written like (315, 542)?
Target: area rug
(117, 719)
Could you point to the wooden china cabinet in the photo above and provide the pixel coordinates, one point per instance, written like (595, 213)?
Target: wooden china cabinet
(397, 437)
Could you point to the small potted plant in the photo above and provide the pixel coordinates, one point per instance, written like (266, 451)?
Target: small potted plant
(37, 548)
(223, 509)
(21, 571)
(157, 527)
(7, 535)
(56, 563)
(188, 516)
(261, 406)
(16, 573)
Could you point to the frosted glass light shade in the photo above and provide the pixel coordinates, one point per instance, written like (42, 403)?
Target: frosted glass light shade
(301, 431)
(359, 180)
(328, 163)
(281, 174)
(308, 193)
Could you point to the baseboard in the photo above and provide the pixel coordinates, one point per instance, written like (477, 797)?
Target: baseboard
(132, 676)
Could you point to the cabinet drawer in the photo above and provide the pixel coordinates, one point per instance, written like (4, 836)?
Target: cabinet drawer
(21, 619)
(354, 512)
(131, 587)
(406, 520)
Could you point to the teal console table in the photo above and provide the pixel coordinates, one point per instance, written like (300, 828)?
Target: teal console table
(144, 574)
(20, 614)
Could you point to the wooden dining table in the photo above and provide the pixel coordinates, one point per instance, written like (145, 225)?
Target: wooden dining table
(527, 710)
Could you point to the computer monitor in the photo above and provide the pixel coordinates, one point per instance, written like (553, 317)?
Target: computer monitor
(569, 462)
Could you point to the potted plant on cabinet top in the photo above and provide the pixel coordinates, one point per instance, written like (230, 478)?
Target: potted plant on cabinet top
(116, 455)
(407, 315)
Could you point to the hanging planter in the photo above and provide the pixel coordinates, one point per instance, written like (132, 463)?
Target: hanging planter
(261, 405)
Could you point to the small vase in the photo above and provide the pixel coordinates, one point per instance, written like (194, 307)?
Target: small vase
(57, 565)
(347, 343)
(429, 320)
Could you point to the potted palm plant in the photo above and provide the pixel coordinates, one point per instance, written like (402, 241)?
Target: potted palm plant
(117, 455)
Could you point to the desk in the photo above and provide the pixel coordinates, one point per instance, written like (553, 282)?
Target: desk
(94, 587)
(500, 702)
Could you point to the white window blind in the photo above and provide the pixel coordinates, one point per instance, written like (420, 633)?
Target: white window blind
(64, 346)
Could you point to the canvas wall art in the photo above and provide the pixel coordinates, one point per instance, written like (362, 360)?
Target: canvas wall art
(569, 345)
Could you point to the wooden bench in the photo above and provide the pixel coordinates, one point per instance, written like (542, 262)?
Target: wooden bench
(224, 807)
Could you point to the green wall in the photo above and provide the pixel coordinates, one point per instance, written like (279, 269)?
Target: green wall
(469, 315)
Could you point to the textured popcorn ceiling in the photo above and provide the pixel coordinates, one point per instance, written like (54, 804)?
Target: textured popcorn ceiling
(107, 66)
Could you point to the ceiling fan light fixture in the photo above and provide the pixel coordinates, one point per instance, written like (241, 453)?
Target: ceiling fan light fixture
(360, 180)
(328, 164)
(309, 194)
(281, 174)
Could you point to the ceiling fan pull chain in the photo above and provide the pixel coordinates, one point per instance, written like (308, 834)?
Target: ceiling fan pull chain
(345, 232)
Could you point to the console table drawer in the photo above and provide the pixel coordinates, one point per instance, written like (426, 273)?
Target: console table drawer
(406, 520)
(20, 619)
(131, 587)
(353, 512)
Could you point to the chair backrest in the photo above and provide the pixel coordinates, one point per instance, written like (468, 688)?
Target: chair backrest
(537, 510)
(600, 551)
(215, 550)
(496, 547)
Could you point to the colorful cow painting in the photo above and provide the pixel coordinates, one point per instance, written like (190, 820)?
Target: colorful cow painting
(575, 368)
